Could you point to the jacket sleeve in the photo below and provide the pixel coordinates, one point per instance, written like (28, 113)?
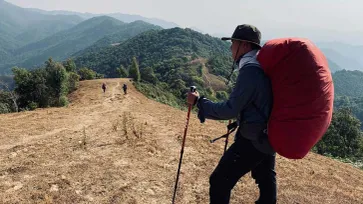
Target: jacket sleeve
(242, 94)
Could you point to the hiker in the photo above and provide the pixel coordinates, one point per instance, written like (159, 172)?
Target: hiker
(124, 87)
(251, 103)
(104, 87)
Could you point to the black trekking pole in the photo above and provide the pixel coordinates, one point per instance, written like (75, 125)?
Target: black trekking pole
(192, 89)
(230, 128)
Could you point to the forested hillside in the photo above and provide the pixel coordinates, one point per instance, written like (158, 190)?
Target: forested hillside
(348, 83)
(177, 58)
(123, 33)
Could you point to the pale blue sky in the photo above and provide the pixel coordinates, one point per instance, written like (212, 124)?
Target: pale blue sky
(317, 19)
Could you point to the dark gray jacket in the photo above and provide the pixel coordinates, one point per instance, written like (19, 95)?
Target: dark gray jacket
(250, 102)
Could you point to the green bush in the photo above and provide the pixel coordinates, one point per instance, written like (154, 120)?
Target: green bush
(73, 81)
(158, 94)
(70, 66)
(122, 72)
(45, 87)
(87, 74)
(134, 71)
(32, 106)
(148, 75)
(344, 138)
(4, 108)
(63, 101)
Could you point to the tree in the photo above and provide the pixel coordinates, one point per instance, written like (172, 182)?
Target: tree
(178, 88)
(148, 75)
(73, 81)
(4, 107)
(122, 72)
(13, 95)
(40, 95)
(70, 66)
(87, 74)
(24, 85)
(57, 81)
(134, 70)
(99, 76)
(344, 137)
(178, 85)
(44, 87)
(194, 56)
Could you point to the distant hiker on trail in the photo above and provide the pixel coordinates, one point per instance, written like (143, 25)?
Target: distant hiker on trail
(251, 103)
(124, 87)
(104, 87)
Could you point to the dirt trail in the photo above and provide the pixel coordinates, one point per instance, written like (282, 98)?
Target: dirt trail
(116, 148)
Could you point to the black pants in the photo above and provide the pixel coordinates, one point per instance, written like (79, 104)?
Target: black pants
(241, 158)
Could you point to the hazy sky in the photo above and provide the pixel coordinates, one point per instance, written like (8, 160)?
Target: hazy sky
(318, 19)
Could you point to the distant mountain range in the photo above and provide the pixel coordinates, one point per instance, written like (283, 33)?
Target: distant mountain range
(346, 56)
(19, 26)
(64, 44)
(127, 18)
(29, 36)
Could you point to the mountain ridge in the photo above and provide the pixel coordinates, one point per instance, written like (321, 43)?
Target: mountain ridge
(65, 43)
(127, 18)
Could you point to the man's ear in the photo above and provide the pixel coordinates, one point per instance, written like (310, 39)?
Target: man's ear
(245, 45)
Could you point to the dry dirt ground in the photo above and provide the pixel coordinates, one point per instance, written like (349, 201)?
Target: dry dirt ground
(115, 148)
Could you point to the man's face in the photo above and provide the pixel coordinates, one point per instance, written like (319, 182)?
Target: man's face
(234, 48)
(238, 48)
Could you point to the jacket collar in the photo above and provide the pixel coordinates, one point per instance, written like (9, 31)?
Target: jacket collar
(248, 58)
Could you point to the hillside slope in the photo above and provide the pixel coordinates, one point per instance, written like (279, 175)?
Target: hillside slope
(124, 33)
(348, 83)
(81, 154)
(157, 49)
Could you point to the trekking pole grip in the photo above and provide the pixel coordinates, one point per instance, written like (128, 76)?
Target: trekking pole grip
(193, 89)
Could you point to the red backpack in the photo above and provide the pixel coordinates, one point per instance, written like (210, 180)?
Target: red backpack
(303, 95)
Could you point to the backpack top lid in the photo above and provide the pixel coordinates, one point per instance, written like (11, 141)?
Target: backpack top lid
(303, 94)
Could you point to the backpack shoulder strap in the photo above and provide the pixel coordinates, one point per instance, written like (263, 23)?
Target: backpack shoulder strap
(253, 103)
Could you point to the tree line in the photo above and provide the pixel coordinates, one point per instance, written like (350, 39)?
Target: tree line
(46, 86)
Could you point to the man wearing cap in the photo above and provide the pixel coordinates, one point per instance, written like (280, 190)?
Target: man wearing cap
(251, 103)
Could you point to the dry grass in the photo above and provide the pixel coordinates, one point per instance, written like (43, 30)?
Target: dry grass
(216, 82)
(132, 152)
(83, 142)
